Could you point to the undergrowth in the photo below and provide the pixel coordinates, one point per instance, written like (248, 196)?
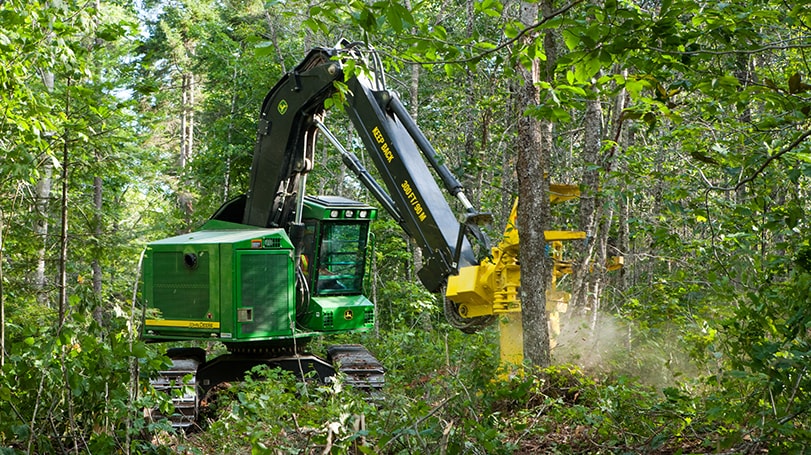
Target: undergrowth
(445, 395)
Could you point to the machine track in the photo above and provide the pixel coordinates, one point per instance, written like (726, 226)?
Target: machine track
(361, 368)
(180, 383)
(190, 378)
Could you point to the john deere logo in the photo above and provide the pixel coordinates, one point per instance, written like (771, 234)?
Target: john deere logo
(348, 315)
(282, 107)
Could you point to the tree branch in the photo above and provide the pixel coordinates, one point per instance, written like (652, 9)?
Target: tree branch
(769, 47)
(501, 46)
(422, 419)
(794, 144)
(777, 155)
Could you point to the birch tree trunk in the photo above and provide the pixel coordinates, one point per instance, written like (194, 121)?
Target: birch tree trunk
(41, 224)
(98, 208)
(183, 119)
(43, 198)
(473, 177)
(274, 38)
(623, 136)
(186, 118)
(231, 114)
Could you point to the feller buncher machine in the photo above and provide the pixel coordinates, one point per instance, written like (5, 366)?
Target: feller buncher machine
(276, 267)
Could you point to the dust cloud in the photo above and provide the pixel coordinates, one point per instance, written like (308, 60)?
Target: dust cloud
(607, 345)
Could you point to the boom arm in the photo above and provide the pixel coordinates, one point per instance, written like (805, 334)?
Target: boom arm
(424, 214)
(290, 120)
(286, 139)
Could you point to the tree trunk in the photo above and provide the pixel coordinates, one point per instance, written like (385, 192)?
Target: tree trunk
(597, 277)
(231, 115)
(190, 114)
(63, 264)
(472, 178)
(98, 187)
(43, 198)
(63, 236)
(184, 89)
(414, 111)
(623, 136)
(185, 196)
(534, 151)
(275, 40)
(98, 211)
(42, 203)
(624, 238)
(582, 299)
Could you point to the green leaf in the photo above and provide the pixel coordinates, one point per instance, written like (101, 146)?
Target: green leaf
(571, 38)
(512, 29)
(492, 8)
(367, 20)
(139, 350)
(439, 32)
(587, 69)
(264, 48)
(635, 86)
(664, 8)
(111, 32)
(485, 45)
(725, 82)
(578, 91)
(393, 15)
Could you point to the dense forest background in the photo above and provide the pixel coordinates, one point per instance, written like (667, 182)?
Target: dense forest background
(685, 124)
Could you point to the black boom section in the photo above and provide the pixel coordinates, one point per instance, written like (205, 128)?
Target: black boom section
(286, 138)
(427, 217)
(288, 124)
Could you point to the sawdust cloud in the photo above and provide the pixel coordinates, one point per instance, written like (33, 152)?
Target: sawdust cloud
(612, 347)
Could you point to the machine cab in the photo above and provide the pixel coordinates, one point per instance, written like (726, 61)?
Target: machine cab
(335, 244)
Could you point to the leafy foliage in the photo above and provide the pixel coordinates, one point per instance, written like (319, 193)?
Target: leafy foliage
(70, 387)
(708, 153)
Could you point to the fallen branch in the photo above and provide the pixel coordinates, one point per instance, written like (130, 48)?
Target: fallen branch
(423, 418)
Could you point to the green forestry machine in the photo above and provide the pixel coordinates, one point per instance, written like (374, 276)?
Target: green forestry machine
(276, 267)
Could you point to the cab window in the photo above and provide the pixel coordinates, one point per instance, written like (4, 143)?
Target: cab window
(342, 258)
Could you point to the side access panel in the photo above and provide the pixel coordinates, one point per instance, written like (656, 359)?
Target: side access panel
(182, 295)
(265, 295)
